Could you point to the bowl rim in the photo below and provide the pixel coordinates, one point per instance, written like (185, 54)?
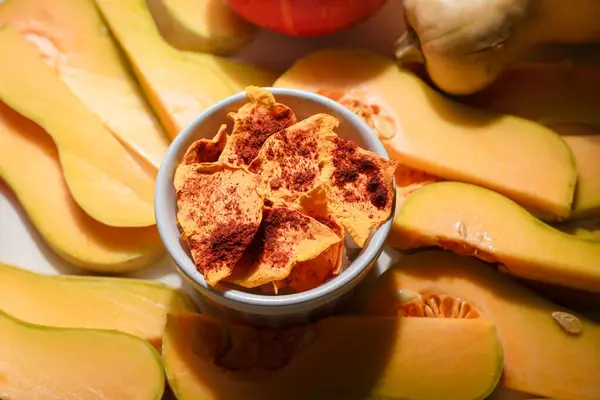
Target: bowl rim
(239, 299)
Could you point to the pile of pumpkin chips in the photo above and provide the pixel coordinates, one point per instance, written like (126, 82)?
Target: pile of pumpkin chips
(269, 205)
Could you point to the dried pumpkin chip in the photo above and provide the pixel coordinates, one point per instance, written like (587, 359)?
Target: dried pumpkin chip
(289, 161)
(253, 123)
(206, 150)
(220, 210)
(361, 188)
(285, 238)
(312, 273)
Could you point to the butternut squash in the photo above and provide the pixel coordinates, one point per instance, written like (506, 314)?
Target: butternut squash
(466, 44)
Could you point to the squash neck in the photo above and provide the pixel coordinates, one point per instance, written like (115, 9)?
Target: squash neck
(570, 21)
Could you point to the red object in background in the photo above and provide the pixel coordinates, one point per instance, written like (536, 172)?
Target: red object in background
(305, 17)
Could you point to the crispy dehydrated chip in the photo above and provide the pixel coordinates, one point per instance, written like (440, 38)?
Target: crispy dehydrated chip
(220, 210)
(361, 188)
(285, 238)
(206, 150)
(312, 273)
(289, 161)
(253, 123)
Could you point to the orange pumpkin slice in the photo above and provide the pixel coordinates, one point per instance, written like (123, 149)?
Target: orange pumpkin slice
(206, 150)
(361, 191)
(289, 162)
(312, 273)
(253, 123)
(220, 210)
(285, 238)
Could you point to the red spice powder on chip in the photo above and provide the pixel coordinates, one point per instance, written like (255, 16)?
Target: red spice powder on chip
(285, 238)
(206, 150)
(289, 163)
(219, 210)
(253, 123)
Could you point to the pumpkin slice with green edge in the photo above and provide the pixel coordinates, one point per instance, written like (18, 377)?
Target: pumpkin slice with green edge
(426, 131)
(71, 36)
(30, 165)
(42, 362)
(338, 357)
(178, 84)
(135, 306)
(108, 182)
(471, 220)
(548, 350)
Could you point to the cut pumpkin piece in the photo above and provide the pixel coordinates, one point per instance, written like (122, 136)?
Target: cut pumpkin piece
(105, 180)
(471, 220)
(30, 166)
(548, 350)
(586, 149)
(132, 306)
(71, 36)
(424, 130)
(220, 210)
(205, 26)
(552, 93)
(253, 123)
(179, 85)
(206, 150)
(75, 364)
(285, 238)
(357, 358)
(289, 163)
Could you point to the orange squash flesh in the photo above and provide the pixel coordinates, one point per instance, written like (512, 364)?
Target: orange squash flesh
(540, 356)
(338, 357)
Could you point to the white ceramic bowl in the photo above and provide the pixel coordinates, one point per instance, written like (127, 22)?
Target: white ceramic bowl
(273, 310)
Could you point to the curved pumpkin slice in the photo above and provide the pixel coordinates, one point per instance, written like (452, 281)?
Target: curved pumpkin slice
(253, 123)
(290, 161)
(105, 180)
(133, 306)
(205, 26)
(312, 273)
(357, 358)
(179, 85)
(426, 131)
(548, 350)
(206, 150)
(285, 238)
(361, 191)
(71, 36)
(220, 210)
(471, 220)
(586, 149)
(552, 93)
(76, 364)
(29, 164)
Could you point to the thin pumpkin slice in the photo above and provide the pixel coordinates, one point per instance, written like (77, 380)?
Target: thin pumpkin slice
(289, 161)
(253, 123)
(30, 165)
(220, 210)
(309, 274)
(285, 238)
(361, 188)
(206, 150)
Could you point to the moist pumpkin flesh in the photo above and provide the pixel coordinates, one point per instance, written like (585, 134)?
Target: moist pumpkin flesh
(548, 350)
(356, 358)
(429, 132)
